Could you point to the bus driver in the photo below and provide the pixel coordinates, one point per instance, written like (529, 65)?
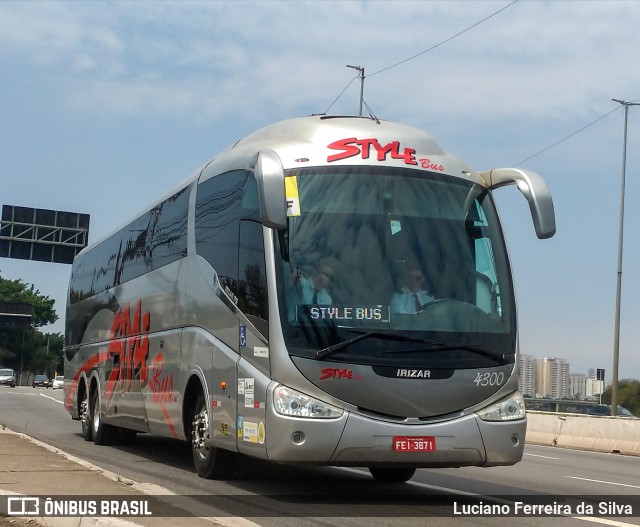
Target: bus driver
(413, 297)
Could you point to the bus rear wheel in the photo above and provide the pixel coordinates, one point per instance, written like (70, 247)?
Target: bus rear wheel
(392, 475)
(102, 433)
(85, 417)
(210, 462)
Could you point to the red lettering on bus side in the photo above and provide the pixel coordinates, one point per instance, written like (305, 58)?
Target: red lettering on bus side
(426, 163)
(384, 150)
(130, 344)
(366, 147)
(353, 146)
(326, 373)
(409, 156)
(162, 389)
(350, 149)
(161, 386)
(337, 373)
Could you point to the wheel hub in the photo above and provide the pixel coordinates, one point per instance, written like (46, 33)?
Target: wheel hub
(84, 412)
(200, 432)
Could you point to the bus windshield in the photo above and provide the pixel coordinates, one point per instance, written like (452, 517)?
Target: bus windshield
(389, 266)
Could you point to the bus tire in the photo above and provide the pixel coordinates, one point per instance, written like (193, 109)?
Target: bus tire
(102, 433)
(210, 462)
(85, 417)
(392, 475)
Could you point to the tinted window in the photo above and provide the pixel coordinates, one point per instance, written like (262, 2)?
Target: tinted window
(221, 202)
(152, 240)
(252, 297)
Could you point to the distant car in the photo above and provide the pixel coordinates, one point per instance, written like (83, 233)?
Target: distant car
(40, 380)
(58, 382)
(605, 409)
(7, 377)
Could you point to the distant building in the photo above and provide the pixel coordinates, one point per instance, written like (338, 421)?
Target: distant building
(578, 385)
(553, 374)
(550, 377)
(528, 371)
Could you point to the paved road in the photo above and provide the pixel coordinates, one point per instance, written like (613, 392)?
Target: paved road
(272, 495)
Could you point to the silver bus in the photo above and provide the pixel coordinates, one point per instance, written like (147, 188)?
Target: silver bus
(328, 290)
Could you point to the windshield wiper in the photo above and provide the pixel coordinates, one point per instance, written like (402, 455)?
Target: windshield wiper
(439, 346)
(330, 350)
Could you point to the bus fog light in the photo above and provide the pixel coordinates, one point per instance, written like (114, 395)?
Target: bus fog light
(515, 440)
(295, 404)
(297, 438)
(510, 408)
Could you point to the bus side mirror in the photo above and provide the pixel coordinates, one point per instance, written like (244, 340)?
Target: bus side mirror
(534, 189)
(270, 180)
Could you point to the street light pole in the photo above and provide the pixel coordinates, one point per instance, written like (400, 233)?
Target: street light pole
(616, 338)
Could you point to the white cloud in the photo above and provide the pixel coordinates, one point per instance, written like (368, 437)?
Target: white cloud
(536, 59)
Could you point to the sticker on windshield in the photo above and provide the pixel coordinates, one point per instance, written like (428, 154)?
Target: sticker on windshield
(293, 198)
(396, 227)
(348, 313)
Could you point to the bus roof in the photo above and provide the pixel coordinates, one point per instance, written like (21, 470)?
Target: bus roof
(321, 140)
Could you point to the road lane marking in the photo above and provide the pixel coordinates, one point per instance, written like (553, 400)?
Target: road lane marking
(52, 398)
(605, 482)
(538, 455)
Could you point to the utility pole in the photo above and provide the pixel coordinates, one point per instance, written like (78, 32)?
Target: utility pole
(361, 76)
(616, 338)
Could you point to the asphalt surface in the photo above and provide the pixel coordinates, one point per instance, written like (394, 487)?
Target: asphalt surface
(83, 494)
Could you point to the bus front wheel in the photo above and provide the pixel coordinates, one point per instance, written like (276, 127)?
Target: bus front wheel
(210, 462)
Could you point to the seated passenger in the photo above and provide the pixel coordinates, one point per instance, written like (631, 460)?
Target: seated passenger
(413, 297)
(311, 291)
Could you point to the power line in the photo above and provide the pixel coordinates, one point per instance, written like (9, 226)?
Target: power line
(345, 89)
(444, 41)
(567, 137)
(575, 133)
(361, 75)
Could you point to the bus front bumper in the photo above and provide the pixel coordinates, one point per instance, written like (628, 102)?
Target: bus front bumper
(358, 440)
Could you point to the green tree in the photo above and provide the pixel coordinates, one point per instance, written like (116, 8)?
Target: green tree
(42, 312)
(628, 395)
(30, 348)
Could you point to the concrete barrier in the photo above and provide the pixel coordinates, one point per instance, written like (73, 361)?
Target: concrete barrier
(585, 432)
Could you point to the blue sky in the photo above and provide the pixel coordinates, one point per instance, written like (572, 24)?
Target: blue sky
(106, 105)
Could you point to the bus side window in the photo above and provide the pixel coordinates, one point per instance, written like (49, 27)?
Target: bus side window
(221, 203)
(252, 286)
(218, 212)
(169, 241)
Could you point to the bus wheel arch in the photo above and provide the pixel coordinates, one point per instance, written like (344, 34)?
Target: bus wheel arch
(210, 462)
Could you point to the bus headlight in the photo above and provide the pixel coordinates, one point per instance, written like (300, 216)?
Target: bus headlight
(295, 404)
(510, 408)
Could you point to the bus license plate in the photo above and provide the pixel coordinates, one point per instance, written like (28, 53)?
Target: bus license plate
(414, 443)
